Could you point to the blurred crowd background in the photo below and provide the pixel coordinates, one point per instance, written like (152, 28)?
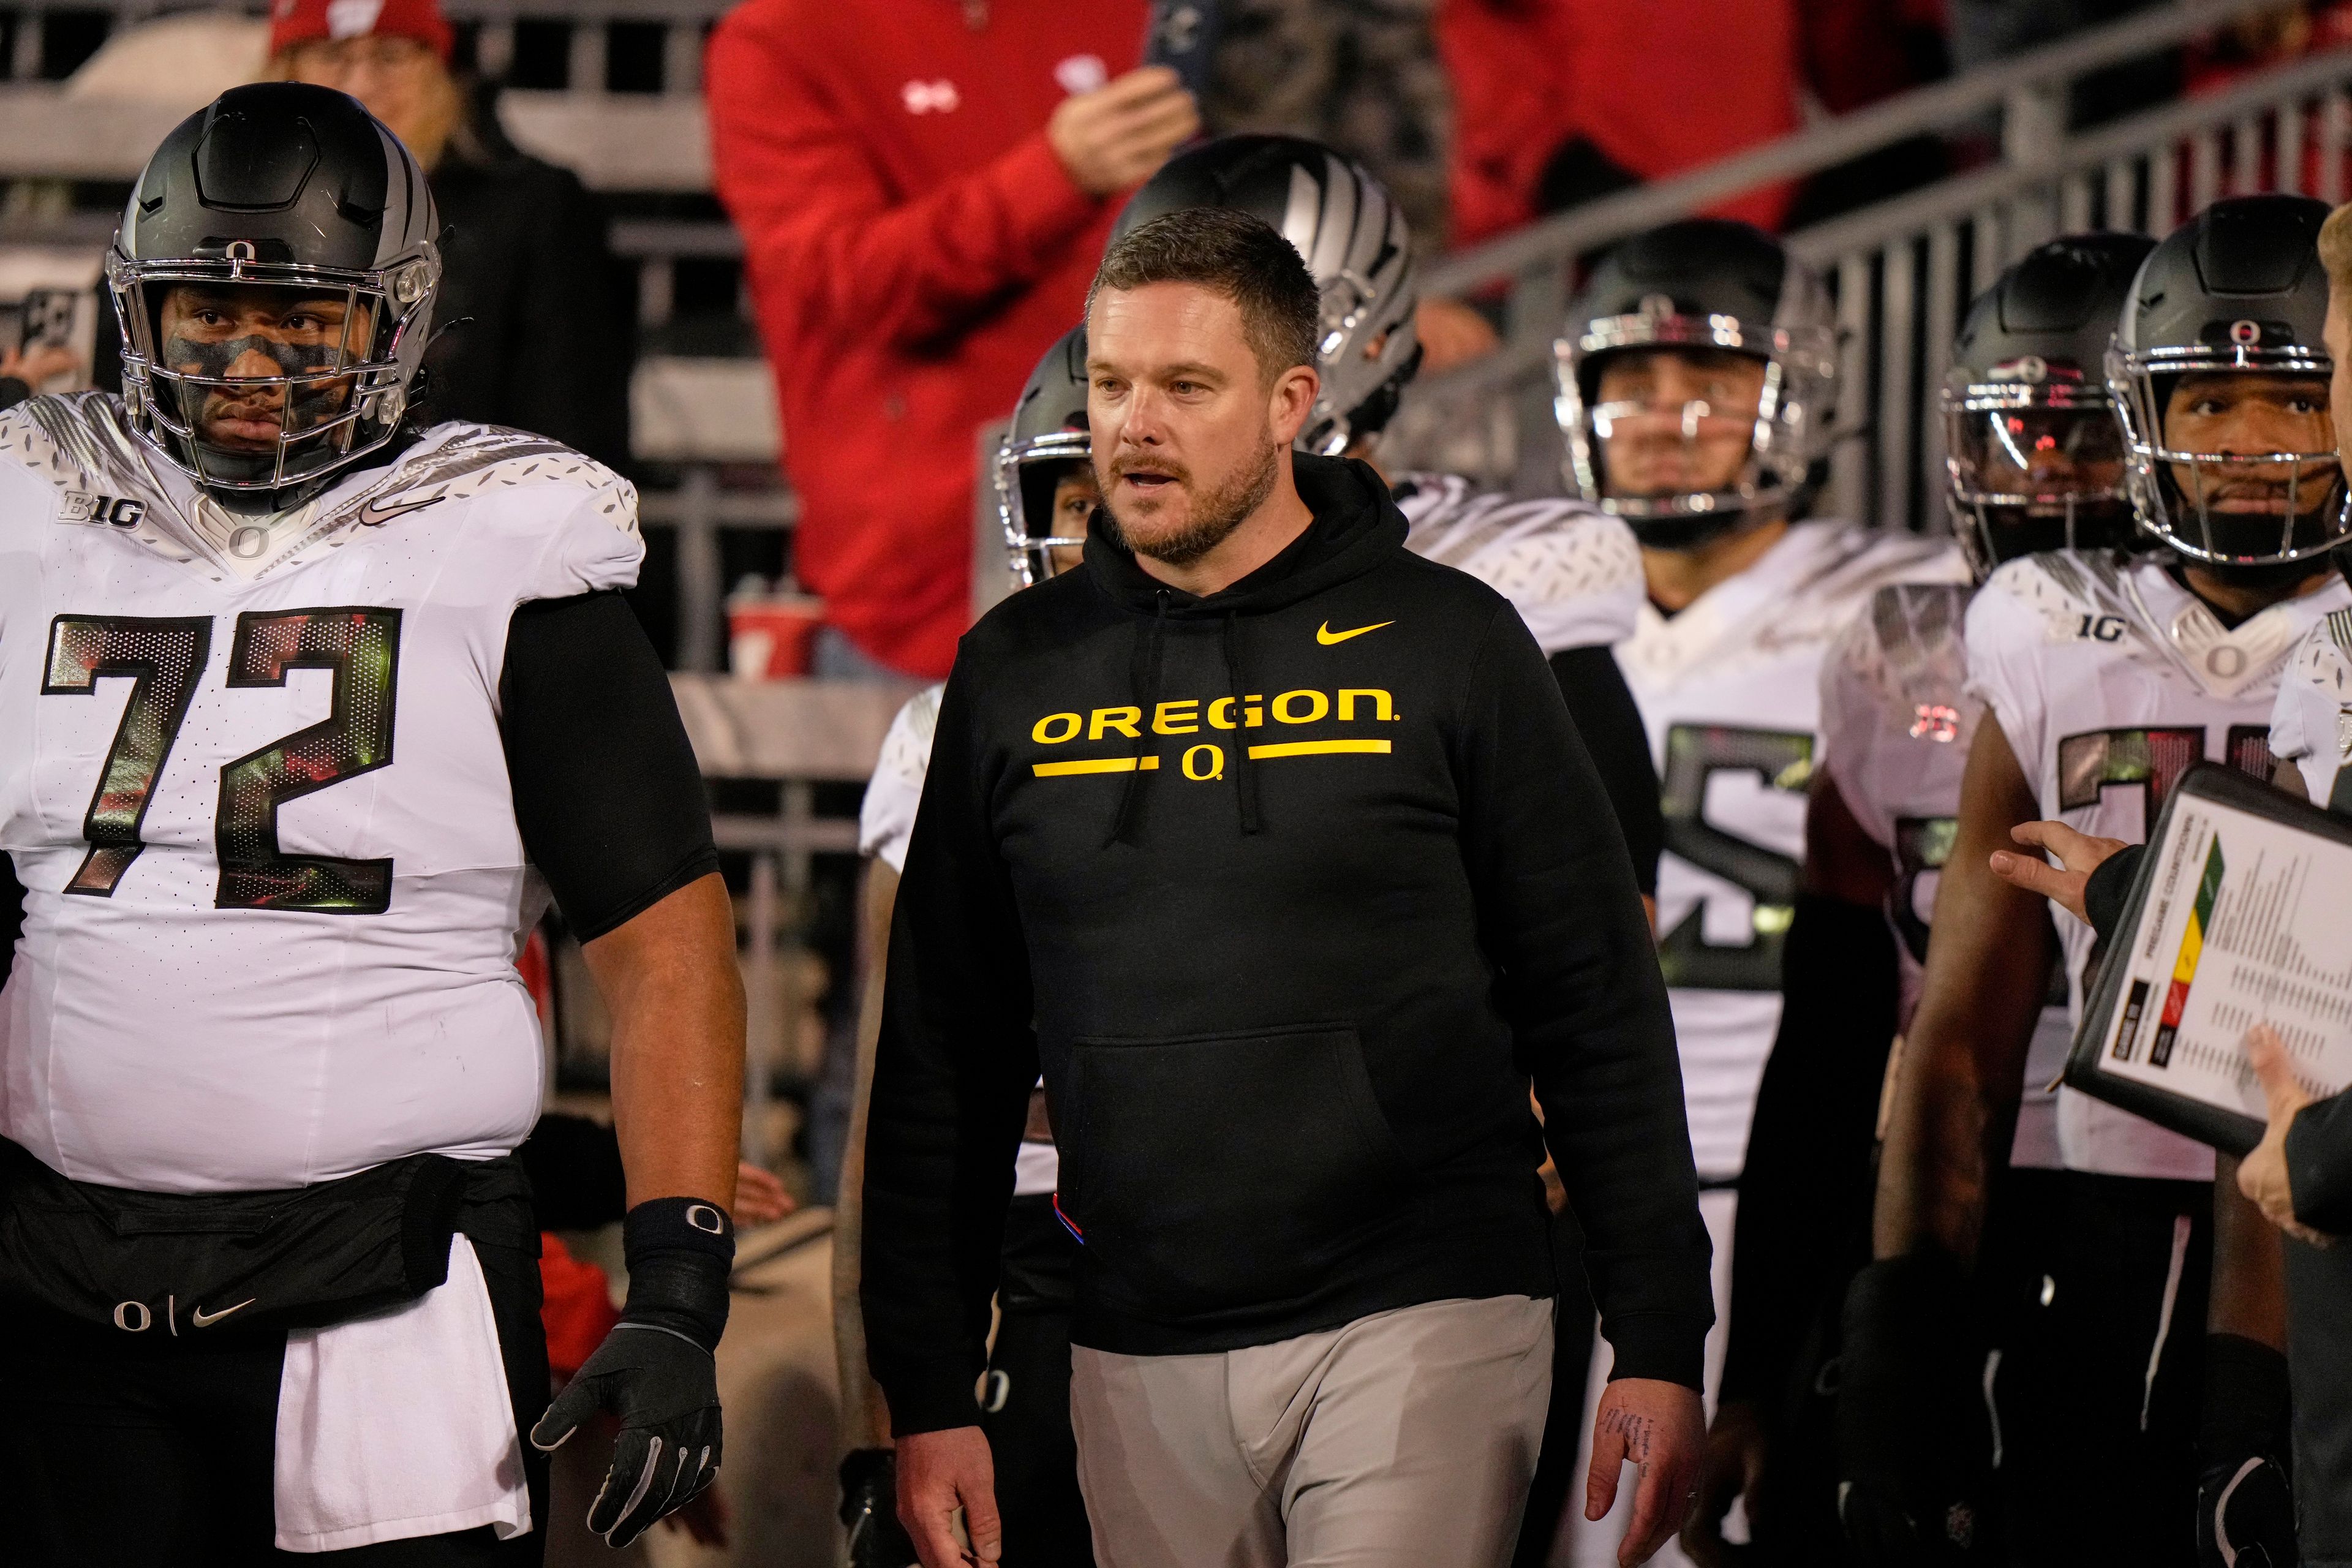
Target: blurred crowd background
(787, 263)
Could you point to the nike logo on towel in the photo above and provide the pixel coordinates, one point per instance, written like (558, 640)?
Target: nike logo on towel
(374, 515)
(204, 1320)
(1327, 636)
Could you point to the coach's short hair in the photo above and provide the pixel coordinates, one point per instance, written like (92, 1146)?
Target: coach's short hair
(2336, 255)
(1243, 257)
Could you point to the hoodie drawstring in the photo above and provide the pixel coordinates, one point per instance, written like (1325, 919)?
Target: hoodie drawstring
(1245, 770)
(1143, 678)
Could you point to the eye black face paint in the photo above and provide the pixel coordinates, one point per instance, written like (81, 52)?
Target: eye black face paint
(190, 357)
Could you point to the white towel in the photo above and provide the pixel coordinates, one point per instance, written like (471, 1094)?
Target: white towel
(398, 1424)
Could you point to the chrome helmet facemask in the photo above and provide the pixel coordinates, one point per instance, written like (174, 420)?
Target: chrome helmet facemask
(1027, 473)
(1996, 430)
(335, 403)
(2316, 516)
(1787, 430)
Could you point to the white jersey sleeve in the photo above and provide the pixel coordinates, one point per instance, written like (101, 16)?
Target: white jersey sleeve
(1572, 571)
(886, 822)
(2004, 635)
(2311, 723)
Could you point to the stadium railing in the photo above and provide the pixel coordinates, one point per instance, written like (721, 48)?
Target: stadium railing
(1902, 270)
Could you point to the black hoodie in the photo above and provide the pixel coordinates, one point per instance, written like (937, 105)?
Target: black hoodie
(1291, 889)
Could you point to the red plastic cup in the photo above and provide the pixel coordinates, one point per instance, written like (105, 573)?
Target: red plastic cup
(770, 638)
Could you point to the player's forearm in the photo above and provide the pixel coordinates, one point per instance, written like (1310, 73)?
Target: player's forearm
(670, 982)
(865, 1412)
(2249, 1296)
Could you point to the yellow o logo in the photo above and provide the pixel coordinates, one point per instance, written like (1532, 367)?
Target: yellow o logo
(1318, 706)
(1216, 763)
(1039, 734)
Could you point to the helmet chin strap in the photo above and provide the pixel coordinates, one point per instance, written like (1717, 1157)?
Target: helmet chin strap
(1690, 530)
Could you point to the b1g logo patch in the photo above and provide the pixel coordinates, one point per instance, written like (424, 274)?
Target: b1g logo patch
(115, 511)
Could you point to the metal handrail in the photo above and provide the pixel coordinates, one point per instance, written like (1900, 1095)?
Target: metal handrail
(1831, 143)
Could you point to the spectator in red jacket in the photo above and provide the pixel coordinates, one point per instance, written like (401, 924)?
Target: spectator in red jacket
(1561, 101)
(923, 198)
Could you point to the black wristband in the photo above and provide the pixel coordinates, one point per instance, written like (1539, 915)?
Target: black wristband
(2246, 1400)
(679, 1252)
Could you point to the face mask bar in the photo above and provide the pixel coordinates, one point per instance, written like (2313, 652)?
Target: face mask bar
(1348, 302)
(1799, 363)
(1029, 555)
(2318, 515)
(344, 400)
(1993, 433)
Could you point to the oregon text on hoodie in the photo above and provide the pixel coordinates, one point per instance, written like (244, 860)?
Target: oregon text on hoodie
(1291, 891)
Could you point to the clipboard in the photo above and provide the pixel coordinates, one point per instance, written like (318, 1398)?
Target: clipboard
(2240, 913)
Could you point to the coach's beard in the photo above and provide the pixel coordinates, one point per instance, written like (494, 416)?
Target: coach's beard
(1215, 514)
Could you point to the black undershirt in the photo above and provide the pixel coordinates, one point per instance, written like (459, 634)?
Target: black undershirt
(606, 792)
(1611, 723)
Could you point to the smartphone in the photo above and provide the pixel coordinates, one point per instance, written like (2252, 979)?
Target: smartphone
(1182, 36)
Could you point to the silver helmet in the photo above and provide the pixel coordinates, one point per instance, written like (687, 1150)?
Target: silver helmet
(296, 187)
(1048, 434)
(1701, 284)
(2236, 290)
(1355, 242)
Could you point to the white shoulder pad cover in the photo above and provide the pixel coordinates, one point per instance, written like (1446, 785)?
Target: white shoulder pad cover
(2310, 724)
(525, 482)
(885, 823)
(1572, 571)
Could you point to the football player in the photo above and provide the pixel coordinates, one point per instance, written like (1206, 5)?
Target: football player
(2036, 463)
(2104, 678)
(304, 712)
(1571, 571)
(1696, 382)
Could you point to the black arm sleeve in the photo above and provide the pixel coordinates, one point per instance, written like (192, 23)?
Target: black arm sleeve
(574, 1166)
(1805, 1196)
(1560, 918)
(605, 787)
(1610, 724)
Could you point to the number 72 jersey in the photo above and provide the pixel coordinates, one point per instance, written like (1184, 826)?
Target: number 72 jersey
(252, 782)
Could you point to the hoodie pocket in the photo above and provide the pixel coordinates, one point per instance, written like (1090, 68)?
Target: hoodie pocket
(1213, 1172)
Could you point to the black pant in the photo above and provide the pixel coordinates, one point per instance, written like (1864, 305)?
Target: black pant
(142, 1451)
(1025, 1400)
(2099, 1386)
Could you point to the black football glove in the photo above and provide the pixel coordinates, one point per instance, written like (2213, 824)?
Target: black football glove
(656, 1370)
(2245, 1509)
(1914, 1442)
(869, 1507)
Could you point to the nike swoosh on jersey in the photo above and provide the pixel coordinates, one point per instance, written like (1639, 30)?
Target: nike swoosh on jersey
(204, 1320)
(375, 516)
(1327, 636)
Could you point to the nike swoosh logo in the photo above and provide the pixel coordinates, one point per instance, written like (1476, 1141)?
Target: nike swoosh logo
(1327, 636)
(204, 1320)
(375, 516)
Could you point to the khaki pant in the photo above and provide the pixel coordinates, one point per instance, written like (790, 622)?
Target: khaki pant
(1402, 1440)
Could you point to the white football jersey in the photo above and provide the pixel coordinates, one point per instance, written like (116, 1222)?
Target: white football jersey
(1895, 725)
(2311, 723)
(252, 779)
(1729, 689)
(2110, 679)
(1572, 571)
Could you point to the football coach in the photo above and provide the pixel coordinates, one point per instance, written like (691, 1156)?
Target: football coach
(1274, 845)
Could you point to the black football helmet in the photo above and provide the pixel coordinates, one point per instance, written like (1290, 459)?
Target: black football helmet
(2238, 289)
(1047, 434)
(2034, 455)
(1703, 283)
(1353, 237)
(299, 187)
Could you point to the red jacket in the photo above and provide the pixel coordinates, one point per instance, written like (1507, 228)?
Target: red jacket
(1660, 87)
(912, 247)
